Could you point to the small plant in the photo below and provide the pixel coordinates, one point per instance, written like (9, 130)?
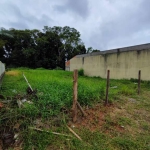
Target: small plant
(125, 90)
(124, 121)
(58, 68)
(125, 143)
(81, 72)
(134, 80)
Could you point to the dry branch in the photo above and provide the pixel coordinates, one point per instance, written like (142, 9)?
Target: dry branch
(27, 82)
(74, 133)
(37, 129)
(79, 106)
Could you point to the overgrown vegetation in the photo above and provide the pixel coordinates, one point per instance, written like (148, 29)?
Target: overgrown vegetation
(81, 72)
(49, 48)
(122, 125)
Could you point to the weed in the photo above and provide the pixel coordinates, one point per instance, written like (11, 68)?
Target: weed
(122, 121)
(55, 93)
(81, 72)
(125, 143)
(58, 68)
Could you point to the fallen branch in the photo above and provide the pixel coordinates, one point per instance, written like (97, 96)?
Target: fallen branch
(79, 106)
(37, 129)
(74, 133)
(19, 103)
(27, 82)
(6, 101)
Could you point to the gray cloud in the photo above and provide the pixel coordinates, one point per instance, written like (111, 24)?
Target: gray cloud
(123, 30)
(21, 20)
(103, 24)
(14, 18)
(79, 7)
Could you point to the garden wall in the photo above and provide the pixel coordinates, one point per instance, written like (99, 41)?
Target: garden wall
(123, 63)
(2, 69)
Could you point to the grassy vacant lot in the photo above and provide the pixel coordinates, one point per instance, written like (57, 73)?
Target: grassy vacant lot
(123, 125)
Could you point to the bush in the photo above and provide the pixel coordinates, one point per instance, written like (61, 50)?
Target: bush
(81, 72)
(58, 68)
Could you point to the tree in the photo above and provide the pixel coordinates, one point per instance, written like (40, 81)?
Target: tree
(2, 52)
(95, 50)
(71, 44)
(34, 48)
(6, 37)
(47, 49)
(89, 50)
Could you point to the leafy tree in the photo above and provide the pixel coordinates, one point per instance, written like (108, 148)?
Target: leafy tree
(89, 50)
(95, 50)
(71, 44)
(5, 45)
(49, 48)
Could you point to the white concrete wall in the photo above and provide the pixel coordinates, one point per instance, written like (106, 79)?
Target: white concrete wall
(122, 65)
(67, 68)
(2, 68)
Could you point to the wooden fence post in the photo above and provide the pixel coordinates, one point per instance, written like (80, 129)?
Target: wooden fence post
(139, 82)
(75, 94)
(107, 87)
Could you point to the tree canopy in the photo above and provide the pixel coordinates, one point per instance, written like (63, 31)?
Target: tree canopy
(49, 48)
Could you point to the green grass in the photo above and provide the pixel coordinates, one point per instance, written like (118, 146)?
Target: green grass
(126, 123)
(54, 89)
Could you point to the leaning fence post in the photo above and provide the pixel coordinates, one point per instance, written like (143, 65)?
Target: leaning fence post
(107, 87)
(139, 82)
(75, 94)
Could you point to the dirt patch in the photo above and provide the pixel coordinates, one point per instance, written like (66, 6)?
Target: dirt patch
(12, 73)
(94, 120)
(101, 118)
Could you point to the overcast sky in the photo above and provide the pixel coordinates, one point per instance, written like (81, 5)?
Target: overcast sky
(103, 24)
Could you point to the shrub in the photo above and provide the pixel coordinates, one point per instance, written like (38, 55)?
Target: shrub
(58, 68)
(81, 72)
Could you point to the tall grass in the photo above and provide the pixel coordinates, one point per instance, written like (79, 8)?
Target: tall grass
(55, 89)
